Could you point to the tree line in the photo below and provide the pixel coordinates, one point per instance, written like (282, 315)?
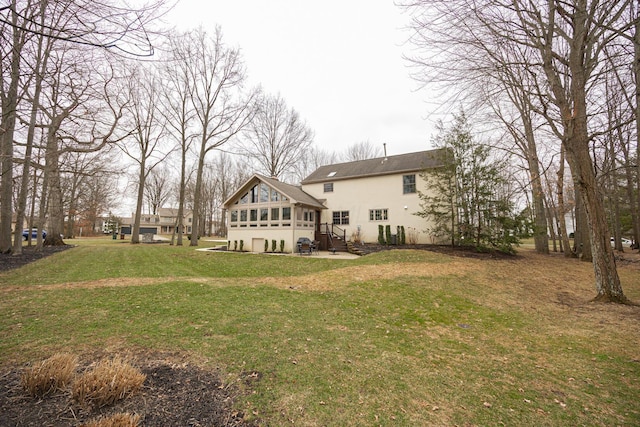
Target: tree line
(96, 95)
(553, 84)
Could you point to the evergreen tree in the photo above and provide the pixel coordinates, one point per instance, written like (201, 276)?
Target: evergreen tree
(468, 200)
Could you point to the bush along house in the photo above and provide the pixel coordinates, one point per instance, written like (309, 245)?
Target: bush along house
(363, 200)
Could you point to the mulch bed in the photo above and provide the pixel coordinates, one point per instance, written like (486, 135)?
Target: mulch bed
(459, 251)
(172, 395)
(28, 255)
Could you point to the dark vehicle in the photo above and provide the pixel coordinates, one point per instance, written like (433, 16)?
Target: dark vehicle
(34, 234)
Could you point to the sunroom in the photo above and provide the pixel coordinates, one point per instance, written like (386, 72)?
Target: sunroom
(265, 210)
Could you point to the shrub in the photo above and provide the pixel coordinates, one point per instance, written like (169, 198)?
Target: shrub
(49, 375)
(115, 420)
(412, 236)
(274, 245)
(266, 245)
(281, 245)
(381, 234)
(403, 237)
(387, 231)
(356, 236)
(228, 245)
(235, 245)
(108, 382)
(241, 245)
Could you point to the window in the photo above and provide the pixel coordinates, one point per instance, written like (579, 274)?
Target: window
(378, 214)
(243, 215)
(275, 196)
(328, 187)
(244, 199)
(264, 214)
(254, 194)
(275, 214)
(286, 214)
(234, 216)
(408, 184)
(264, 193)
(253, 215)
(341, 217)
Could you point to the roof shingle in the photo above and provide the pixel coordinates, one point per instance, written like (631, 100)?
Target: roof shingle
(410, 162)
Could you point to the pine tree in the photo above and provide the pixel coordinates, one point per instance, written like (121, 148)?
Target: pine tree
(468, 201)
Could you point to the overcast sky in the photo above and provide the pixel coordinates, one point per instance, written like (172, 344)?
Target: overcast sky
(338, 63)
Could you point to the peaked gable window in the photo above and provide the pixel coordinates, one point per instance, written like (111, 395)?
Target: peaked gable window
(264, 193)
(408, 184)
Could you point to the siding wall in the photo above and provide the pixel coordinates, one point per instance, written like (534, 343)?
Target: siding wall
(359, 196)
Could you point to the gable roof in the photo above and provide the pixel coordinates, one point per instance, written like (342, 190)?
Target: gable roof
(172, 212)
(293, 192)
(402, 163)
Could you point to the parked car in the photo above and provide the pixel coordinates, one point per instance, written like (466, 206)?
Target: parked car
(625, 242)
(34, 234)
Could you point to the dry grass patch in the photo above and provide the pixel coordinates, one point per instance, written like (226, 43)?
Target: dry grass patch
(49, 375)
(116, 420)
(108, 382)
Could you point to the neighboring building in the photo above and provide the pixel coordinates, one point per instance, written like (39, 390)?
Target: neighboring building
(163, 223)
(336, 202)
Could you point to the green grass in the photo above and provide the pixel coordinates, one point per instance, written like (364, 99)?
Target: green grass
(405, 351)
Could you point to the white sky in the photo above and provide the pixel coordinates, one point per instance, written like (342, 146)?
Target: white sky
(338, 63)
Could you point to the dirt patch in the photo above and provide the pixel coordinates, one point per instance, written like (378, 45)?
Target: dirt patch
(173, 394)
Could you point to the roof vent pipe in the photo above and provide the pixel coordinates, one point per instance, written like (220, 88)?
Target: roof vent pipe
(384, 144)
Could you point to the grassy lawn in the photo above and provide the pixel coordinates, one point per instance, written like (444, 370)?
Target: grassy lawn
(395, 338)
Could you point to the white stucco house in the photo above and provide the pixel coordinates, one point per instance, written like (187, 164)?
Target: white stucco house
(335, 203)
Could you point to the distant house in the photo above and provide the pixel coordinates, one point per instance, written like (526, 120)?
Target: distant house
(162, 223)
(335, 203)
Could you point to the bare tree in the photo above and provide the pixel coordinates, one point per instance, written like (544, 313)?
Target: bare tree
(102, 24)
(311, 160)
(222, 111)
(14, 37)
(361, 151)
(567, 40)
(144, 146)
(78, 171)
(179, 114)
(276, 137)
(157, 188)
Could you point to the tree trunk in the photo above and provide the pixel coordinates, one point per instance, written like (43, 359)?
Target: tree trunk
(55, 207)
(7, 128)
(573, 110)
(135, 232)
(608, 284)
(541, 239)
(561, 208)
(636, 70)
(195, 226)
